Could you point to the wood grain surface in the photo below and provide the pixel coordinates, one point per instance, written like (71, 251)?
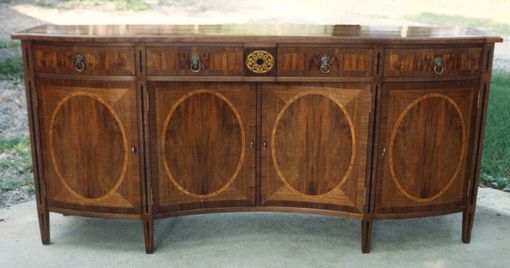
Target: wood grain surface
(314, 139)
(59, 59)
(89, 130)
(204, 134)
(305, 61)
(137, 134)
(406, 62)
(176, 60)
(293, 33)
(426, 130)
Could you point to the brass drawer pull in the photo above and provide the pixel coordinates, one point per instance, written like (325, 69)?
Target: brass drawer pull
(252, 145)
(196, 65)
(438, 65)
(79, 63)
(325, 64)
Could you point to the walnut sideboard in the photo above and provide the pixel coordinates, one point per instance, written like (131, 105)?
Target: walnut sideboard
(147, 122)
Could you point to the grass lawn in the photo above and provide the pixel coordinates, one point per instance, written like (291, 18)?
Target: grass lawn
(496, 152)
(477, 23)
(15, 164)
(11, 68)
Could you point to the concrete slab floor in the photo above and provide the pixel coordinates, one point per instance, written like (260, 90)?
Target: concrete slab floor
(258, 240)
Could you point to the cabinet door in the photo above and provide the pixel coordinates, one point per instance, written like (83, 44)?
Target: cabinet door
(425, 149)
(87, 130)
(201, 139)
(314, 150)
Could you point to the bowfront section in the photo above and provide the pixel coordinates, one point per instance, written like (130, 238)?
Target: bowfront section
(426, 146)
(314, 145)
(202, 142)
(89, 145)
(147, 122)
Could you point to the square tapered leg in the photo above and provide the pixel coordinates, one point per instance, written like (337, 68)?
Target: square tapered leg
(366, 235)
(44, 226)
(148, 227)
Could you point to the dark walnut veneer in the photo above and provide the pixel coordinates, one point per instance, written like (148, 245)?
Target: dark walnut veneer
(146, 122)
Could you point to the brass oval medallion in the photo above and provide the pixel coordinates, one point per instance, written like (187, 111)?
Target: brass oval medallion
(260, 61)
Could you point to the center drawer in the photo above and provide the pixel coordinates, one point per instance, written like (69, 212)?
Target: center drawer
(195, 60)
(324, 61)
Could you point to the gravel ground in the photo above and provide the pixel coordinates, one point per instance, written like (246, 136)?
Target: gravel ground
(12, 20)
(14, 124)
(15, 196)
(13, 112)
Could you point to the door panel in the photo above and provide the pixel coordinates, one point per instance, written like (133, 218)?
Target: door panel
(201, 137)
(88, 130)
(314, 148)
(425, 140)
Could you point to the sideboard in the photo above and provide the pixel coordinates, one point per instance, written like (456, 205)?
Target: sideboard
(145, 122)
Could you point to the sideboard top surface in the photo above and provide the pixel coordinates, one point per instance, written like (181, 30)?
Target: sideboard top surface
(256, 33)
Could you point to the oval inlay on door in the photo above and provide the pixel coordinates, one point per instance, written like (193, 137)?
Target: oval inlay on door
(88, 146)
(313, 144)
(432, 127)
(203, 143)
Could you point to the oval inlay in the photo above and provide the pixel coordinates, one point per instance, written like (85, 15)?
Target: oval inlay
(313, 144)
(88, 146)
(203, 143)
(427, 147)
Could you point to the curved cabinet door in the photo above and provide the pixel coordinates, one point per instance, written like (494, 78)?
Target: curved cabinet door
(314, 145)
(87, 130)
(200, 140)
(425, 145)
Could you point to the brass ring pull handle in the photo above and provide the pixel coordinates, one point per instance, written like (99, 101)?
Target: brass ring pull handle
(79, 63)
(196, 65)
(264, 145)
(438, 65)
(252, 145)
(325, 64)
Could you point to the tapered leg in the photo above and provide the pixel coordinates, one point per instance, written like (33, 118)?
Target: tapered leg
(366, 235)
(44, 226)
(148, 227)
(467, 226)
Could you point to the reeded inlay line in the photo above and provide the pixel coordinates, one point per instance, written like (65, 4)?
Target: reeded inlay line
(394, 134)
(273, 144)
(163, 144)
(124, 140)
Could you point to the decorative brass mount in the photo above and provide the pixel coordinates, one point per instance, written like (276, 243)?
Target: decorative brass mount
(260, 61)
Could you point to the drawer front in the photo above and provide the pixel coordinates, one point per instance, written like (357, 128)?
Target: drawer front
(199, 61)
(307, 61)
(86, 60)
(432, 62)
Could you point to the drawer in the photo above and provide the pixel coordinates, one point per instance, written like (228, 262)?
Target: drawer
(427, 62)
(307, 61)
(86, 60)
(189, 60)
